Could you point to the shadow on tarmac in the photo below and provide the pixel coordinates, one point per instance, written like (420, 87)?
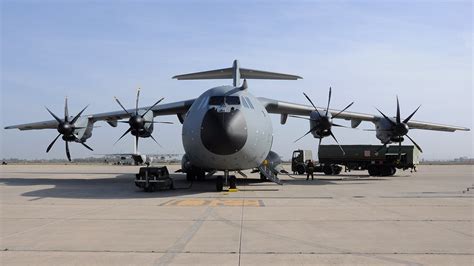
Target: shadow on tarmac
(123, 187)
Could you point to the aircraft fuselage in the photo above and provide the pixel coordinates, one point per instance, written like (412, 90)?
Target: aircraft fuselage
(227, 128)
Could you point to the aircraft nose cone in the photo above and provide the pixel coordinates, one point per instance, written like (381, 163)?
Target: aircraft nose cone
(223, 133)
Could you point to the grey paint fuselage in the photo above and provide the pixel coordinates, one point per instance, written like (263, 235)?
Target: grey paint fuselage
(256, 124)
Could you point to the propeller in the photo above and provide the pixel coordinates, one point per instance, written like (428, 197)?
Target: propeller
(400, 128)
(66, 128)
(136, 121)
(324, 124)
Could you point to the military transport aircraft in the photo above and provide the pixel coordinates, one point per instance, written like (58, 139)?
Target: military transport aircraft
(227, 128)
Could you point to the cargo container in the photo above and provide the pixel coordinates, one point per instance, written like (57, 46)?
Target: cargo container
(377, 160)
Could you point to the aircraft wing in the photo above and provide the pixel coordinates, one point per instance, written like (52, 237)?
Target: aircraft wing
(288, 108)
(175, 108)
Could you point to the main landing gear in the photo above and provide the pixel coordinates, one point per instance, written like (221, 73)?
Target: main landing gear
(221, 180)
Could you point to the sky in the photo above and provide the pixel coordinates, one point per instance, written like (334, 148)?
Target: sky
(367, 51)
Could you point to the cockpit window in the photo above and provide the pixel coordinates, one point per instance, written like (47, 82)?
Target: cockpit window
(232, 100)
(219, 100)
(216, 100)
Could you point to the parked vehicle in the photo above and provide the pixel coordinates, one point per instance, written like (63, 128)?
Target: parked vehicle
(377, 160)
(298, 161)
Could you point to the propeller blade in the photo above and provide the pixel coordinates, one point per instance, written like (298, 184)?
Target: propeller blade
(78, 115)
(398, 112)
(337, 125)
(386, 117)
(83, 144)
(151, 107)
(52, 143)
(126, 132)
(66, 111)
(55, 117)
(117, 100)
(410, 116)
(136, 141)
(329, 101)
(312, 103)
(68, 154)
(332, 135)
(417, 146)
(305, 134)
(136, 104)
(335, 116)
(159, 122)
(151, 136)
(319, 143)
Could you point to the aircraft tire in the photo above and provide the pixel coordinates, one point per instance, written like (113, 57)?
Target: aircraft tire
(219, 183)
(232, 182)
(190, 176)
(201, 175)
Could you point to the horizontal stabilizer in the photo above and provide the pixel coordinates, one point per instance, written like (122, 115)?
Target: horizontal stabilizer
(226, 73)
(236, 73)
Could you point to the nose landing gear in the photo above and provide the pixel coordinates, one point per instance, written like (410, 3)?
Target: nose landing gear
(227, 179)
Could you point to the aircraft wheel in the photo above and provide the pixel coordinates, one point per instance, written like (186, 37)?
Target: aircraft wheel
(232, 182)
(201, 175)
(219, 183)
(190, 176)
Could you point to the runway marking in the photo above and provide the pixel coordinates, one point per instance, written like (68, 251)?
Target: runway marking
(214, 203)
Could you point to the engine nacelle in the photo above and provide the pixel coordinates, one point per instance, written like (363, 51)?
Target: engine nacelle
(383, 130)
(321, 123)
(83, 130)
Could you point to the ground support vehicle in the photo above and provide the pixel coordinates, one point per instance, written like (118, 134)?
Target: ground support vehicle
(299, 159)
(153, 178)
(379, 161)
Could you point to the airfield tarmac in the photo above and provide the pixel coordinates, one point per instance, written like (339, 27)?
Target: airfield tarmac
(94, 215)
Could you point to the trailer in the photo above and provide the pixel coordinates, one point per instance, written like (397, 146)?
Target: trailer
(377, 160)
(153, 178)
